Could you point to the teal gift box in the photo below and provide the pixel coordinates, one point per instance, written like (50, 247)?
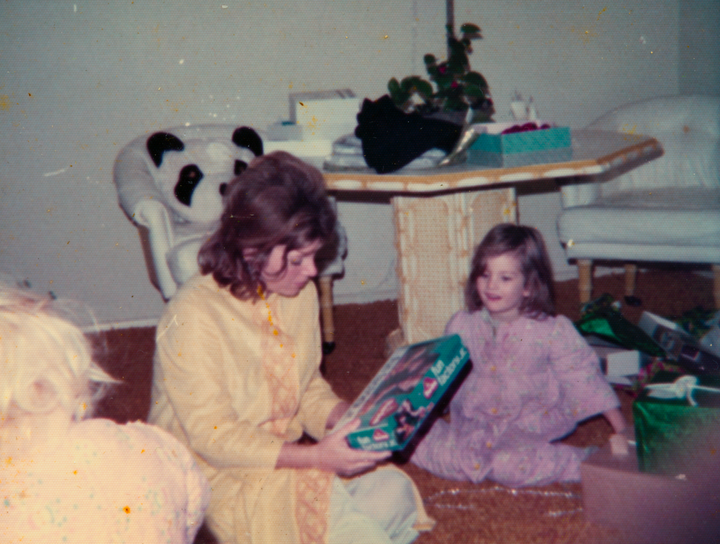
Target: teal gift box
(491, 148)
(677, 424)
(407, 395)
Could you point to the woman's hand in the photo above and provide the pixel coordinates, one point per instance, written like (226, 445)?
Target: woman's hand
(331, 454)
(334, 454)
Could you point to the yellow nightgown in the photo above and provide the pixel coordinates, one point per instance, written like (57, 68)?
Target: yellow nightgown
(234, 380)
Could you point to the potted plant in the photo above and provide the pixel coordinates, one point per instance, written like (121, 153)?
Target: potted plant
(457, 88)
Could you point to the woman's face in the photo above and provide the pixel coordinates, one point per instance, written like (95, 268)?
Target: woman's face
(299, 271)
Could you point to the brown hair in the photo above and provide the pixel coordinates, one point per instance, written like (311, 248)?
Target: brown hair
(525, 243)
(277, 200)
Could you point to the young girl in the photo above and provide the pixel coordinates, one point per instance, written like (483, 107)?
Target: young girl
(534, 377)
(67, 479)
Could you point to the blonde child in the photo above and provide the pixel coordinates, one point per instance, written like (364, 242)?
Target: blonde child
(65, 478)
(534, 377)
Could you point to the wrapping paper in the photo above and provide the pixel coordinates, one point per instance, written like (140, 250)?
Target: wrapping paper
(678, 435)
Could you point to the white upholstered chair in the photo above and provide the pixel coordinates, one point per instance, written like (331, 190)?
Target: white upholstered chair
(667, 210)
(172, 241)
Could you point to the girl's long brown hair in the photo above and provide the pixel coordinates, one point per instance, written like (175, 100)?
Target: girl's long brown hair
(527, 244)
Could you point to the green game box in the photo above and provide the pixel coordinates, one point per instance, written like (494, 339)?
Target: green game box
(405, 397)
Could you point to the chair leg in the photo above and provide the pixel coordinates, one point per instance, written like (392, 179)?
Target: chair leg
(584, 279)
(326, 307)
(716, 285)
(630, 278)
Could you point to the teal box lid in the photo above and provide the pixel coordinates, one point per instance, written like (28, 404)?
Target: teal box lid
(492, 141)
(405, 397)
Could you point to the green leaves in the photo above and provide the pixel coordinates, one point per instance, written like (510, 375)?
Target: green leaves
(457, 87)
(402, 92)
(470, 31)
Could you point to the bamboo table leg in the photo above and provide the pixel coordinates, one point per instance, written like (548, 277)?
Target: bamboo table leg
(435, 237)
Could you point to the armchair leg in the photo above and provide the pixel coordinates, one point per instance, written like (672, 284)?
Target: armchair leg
(716, 285)
(630, 277)
(326, 308)
(584, 279)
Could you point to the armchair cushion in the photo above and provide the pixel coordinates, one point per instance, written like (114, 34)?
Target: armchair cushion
(687, 127)
(672, 217)
(665, 210)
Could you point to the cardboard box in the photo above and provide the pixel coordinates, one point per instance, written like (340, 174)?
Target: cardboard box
(325, 115)
(491, 148)
(617, 363)
(673, 436)
(648, 508)
(405, 397)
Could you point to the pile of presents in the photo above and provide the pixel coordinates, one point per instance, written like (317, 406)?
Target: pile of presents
(664, 487)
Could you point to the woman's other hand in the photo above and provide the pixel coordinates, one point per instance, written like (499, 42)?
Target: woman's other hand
(332, 454)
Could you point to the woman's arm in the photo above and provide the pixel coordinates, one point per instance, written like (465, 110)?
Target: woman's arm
(337, 412)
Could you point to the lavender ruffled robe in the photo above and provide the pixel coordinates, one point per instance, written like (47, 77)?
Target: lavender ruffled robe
(531, 383)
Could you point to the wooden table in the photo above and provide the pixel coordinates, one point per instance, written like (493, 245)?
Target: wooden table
(442, 214)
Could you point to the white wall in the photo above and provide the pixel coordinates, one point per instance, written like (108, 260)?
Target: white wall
(80, 79)
(699, 47)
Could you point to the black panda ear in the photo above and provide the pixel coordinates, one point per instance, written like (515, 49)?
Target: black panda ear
(159, 143)
(247, 137)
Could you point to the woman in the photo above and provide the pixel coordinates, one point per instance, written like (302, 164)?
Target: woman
(237, 377)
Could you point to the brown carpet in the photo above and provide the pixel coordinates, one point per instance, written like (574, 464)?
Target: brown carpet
(468, 513)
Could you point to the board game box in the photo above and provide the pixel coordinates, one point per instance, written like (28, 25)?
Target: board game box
(405, 397)
(680, 345)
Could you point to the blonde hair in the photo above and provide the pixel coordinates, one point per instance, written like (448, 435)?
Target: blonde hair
(45, 360)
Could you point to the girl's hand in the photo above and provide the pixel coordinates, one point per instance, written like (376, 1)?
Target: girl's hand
(334, 455)
(616, 420)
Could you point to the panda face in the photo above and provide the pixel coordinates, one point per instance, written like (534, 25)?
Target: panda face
(193, 174)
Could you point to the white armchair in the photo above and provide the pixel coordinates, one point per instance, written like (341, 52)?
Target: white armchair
(667, 210)
(172, 236)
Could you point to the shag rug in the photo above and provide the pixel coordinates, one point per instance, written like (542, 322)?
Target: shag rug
(466, 513)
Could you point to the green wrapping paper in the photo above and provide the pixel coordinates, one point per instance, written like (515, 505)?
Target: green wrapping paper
(601, 318)
(673, 436)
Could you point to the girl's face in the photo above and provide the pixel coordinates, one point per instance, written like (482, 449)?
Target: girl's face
(299, 271)
(502, 287)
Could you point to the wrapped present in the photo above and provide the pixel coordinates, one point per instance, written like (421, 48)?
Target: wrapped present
(677, 424)
(602, 318)
(679, 345)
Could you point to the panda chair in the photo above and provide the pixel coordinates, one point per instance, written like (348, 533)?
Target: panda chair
(170, 186)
